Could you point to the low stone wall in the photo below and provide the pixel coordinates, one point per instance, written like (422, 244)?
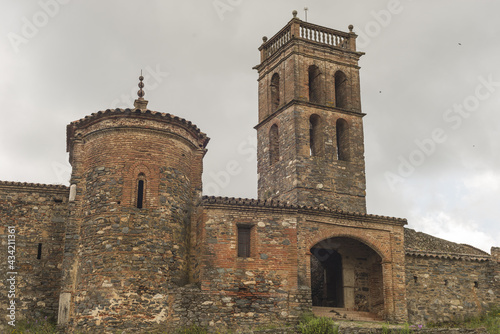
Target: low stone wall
(218, 311)
(358, 330)
(35, 247)
(420, 331)
(225, 311)
(446, 288)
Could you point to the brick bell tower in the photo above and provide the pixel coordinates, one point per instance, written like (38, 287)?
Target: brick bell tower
(310, 131)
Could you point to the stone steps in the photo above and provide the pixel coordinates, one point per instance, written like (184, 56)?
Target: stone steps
(344, 314)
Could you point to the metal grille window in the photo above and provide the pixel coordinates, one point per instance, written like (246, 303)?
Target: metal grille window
(244, 241)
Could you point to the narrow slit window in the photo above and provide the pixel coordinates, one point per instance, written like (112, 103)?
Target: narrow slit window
(141, 187)
(140, 193)
(39, 254)
(244, 241)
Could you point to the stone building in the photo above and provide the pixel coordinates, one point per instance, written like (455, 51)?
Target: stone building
(133, 244)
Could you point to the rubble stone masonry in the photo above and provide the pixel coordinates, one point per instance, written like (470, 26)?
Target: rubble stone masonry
(133, 245)
(38, 213)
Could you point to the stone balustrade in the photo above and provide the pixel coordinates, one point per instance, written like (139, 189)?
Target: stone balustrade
(298, 29)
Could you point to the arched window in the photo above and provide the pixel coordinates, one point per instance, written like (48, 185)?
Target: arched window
(341, 94)
(274, 148)
(314, 84)
(275, 92)
(141, 190)
(342, 140)
(315, 136)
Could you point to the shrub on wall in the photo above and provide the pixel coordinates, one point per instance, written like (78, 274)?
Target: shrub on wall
(320, 325)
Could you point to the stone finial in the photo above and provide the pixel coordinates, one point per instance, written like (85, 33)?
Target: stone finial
(140, 103)
(141, 93)
(294, 13)
(350, 27)
(264, 39)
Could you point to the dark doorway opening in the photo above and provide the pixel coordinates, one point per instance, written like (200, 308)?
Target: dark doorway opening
(326, 278)
(346, 273)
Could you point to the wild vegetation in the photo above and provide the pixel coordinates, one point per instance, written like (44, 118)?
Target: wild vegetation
(309, 324)
(490, 320)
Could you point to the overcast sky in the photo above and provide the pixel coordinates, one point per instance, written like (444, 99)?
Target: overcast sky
(430, 86)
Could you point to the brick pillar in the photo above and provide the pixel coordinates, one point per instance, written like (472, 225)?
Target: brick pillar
(388, 290)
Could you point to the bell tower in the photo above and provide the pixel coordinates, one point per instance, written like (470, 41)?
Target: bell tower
(310, 131)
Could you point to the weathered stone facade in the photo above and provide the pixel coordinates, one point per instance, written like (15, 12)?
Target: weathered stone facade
(446, 281)
(132, 243)
(308, 90)
(146, 236)
(38, 214)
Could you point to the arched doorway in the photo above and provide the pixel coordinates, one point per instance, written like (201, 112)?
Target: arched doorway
(346, 273)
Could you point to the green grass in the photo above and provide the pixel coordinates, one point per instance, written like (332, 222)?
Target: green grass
(309, 324)
(490, 320)
(34, 326)
(194, 329)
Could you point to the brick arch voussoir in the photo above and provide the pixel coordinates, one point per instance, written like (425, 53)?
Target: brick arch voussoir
(130, 178)
(368, 241)
(138, 168)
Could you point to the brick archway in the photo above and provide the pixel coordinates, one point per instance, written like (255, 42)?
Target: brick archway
(384, 241)
(347, 273)
(372, 242)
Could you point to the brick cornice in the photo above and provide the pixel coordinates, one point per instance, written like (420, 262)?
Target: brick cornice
(238, 204)
(39, 187)
(294, 41)
(271, 68)
(307, 104)
(442, 255)
(136, 113)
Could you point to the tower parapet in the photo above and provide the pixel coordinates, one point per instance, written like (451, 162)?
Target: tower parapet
(298, 29)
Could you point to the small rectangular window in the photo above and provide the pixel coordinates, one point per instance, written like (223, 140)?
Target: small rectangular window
(244, 241)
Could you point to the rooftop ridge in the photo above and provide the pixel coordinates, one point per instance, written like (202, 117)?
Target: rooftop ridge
(147, 112)
(278, 204)
(449, 255)
(423, 243)
(475, 248)
(34, 185)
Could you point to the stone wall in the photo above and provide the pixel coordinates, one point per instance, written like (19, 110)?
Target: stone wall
(310, 169)
(132, 253)
(322, 180)
(279, 266)
(261, 288)
(354, 330)
(38, 214)
(446, 288)
(446, 280)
